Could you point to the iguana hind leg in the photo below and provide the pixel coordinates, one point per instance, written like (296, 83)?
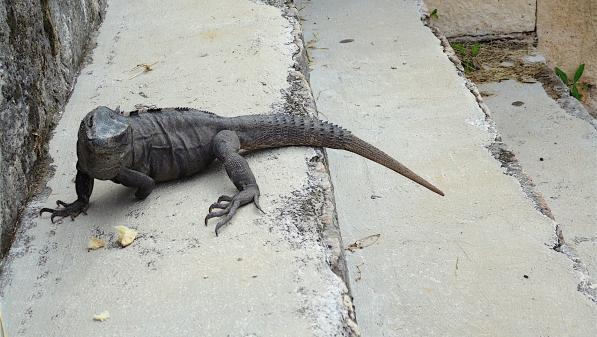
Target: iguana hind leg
(226, 146)
(84, 187)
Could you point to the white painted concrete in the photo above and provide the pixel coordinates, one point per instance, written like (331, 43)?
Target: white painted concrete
(450, 266)
(261, 277)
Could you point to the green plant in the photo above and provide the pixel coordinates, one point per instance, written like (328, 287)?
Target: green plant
(475, 49)
(467, 55)
(433, 14)
(572, 85)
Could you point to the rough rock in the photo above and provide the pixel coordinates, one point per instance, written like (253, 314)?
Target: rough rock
(483, 17)
(42, 47)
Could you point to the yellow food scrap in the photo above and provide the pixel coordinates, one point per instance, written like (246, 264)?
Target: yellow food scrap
(126, 236)
(104, 315)
(95, 243)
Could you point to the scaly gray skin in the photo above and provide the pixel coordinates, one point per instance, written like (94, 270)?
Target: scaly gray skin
(165, 144)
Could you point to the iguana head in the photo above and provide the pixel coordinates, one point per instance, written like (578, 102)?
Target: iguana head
(103, 144)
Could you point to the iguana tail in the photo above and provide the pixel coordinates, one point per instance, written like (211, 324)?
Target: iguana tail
(279, 130)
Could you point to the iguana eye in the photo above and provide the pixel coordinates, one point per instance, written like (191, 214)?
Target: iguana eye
(90, 123)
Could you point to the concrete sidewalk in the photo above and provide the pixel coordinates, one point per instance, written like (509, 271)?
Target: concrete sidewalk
(478, 262)
(266, 275)
(558, 149)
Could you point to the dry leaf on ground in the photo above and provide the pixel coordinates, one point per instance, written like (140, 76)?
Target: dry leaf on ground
(364, 242)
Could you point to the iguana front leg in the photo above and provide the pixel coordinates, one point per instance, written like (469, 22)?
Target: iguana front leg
(84, 187)
(226, 146)
(131, 178)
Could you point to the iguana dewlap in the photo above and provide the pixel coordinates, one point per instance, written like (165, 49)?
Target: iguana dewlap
(165, 144)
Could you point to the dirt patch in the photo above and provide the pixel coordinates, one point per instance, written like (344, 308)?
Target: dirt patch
(517, 59)
(499, 60)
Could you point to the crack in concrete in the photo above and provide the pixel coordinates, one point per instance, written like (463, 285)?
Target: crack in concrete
(513, 168)
(585, 286)
(314, 224)
(319, 198)
(508, 159)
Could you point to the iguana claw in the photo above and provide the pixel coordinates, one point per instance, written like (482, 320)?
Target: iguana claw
(227, 210)
(72, 210)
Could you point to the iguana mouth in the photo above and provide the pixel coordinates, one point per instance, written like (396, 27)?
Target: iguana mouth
(112, 145)
(107, 170)
(100, 147)
(104, 160)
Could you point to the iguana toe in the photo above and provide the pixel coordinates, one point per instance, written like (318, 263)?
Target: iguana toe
(229, 214)
(218, 205)
(227, 210)
(256, 202)
(215, 214)
(71, 210)
(224, 198)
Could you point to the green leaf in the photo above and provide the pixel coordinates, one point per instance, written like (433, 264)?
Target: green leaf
(574, 92)
(562, 75)
(468, 66)
(578, 73)
(433, 14)
(475, 49)
(459, 48)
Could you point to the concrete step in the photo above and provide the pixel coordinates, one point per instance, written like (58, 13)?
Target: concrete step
(265, 275)
(557, 148)
(478, 262)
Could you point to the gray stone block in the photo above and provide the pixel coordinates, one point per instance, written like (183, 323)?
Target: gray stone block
(42, 47)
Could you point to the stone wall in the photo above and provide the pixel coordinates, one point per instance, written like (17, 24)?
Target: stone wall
(567, 32)
(42, 47)
(483, 17)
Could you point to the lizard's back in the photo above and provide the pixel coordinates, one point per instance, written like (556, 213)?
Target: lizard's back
(172, 143)
(177, 142)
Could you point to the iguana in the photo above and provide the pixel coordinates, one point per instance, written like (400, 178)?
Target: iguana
(153, 145)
